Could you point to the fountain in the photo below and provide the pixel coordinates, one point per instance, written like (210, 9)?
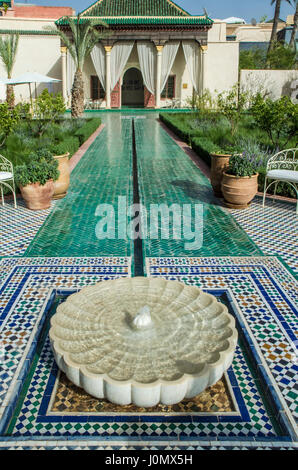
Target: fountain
(143, 340)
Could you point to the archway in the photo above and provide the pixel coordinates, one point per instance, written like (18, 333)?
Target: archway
(133, 88)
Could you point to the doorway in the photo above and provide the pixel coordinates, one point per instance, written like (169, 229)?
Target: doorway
(133, 88)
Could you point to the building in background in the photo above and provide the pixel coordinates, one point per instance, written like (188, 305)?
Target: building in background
(29, 10)
(187, 52)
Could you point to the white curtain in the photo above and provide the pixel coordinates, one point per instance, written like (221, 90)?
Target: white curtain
(147, 59)
(98, 56)
(119, 57)
(168, 58)
(71, 70)
(192, 56)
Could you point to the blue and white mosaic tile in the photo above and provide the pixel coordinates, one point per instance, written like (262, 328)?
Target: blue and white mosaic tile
(274, 229)
(19, 227)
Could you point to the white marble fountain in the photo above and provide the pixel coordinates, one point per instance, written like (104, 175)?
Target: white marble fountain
(143, 340)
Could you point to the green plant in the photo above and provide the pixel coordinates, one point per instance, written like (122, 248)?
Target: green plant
(70, 144)
(252, 59)
(281, 57)
(231, 104)
(48, 108)
(9, 118)
(202, 104)
(8, 52)
(275, 22)
(84, 36)
(240, 166)
(40, 168)
(279, 119)
(84, 132)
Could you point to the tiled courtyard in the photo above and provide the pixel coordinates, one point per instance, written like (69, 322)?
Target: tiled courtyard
(248, 260)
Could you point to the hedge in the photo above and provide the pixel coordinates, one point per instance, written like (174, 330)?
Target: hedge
(84, 132)
(204, 147)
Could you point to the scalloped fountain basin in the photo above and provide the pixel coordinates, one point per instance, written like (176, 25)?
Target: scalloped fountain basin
(143, 340)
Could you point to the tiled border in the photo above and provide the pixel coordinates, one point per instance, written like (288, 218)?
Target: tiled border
(42, 269)
(30, 282)
(273, 294)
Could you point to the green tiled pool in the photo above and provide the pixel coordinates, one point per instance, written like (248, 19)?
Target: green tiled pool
(166, 175)
(103, 174)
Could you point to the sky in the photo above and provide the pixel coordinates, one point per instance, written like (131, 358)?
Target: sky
(220, 9)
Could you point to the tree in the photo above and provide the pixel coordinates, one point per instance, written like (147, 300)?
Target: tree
(275, 22)
(295, 27)
(84, 36)
(8, 52)
(279, 119)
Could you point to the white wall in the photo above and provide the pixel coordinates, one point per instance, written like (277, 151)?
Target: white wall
(222, 66)
(271, 83)
(36, 53)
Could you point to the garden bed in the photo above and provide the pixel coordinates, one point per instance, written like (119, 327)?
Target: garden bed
(61, 137)
(210, 133)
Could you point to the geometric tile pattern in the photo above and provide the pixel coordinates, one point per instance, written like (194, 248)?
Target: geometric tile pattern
(68, 398)
(30, 283)
(19, 227)
(266, 297)
(76, 224)
(36, 417)
(27, 285)
(273, 228)
(168, 176)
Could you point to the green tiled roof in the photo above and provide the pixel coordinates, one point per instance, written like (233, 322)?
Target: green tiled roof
(134, 8)
(139, 12)
(145, 20)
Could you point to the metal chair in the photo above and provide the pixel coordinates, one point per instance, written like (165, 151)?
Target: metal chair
(283, 166)
(6, 175)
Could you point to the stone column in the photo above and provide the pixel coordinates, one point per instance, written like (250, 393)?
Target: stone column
(203, 77)
(64, 73)
(158, 76)
(108, 76)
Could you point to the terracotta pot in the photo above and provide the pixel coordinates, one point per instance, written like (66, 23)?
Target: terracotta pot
(62, 183)
(38, 197)
(219, 164)
(239, 191)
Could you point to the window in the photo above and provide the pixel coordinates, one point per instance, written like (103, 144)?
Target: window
(97, 91)
(169, 89)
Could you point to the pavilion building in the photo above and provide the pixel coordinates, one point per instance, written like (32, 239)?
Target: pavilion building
(155, 54)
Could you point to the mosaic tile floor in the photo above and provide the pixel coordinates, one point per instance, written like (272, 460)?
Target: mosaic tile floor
(255, 406)
(19, 227)
(28, 292)
(273, 229)
(266, 297)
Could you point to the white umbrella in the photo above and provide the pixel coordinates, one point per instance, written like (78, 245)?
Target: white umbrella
(30, 77)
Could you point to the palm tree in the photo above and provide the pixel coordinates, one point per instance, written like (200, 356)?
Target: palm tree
(8, 52)
(275, 22)
(84, 36)
(295, 27)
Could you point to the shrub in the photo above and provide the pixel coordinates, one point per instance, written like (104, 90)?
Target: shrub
(48, 108)
(84, 132)
(9, 119)
(70, 144)
(279, 119)
(240, 166)
(231, 104)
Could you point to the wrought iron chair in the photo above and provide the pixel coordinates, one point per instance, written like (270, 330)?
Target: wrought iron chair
(7, 178)
(283, 166)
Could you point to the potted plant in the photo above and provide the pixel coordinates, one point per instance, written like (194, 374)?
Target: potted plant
(36, 180)
(62, 183)
(219, 163)
(239, 182)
